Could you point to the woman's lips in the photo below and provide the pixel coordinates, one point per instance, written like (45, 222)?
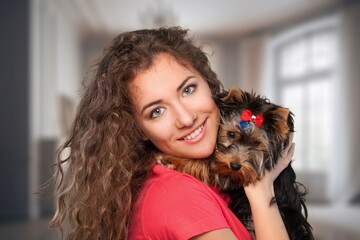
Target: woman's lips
(196, 135)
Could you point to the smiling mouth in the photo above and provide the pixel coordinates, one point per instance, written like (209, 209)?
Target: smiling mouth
(194, 133)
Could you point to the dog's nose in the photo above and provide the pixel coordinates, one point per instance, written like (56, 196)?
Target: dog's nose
(235, 166)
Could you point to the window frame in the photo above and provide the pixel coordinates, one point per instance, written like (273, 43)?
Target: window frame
(310, 76)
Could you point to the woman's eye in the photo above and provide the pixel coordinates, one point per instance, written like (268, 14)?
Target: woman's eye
(189, 89)
(156, 112)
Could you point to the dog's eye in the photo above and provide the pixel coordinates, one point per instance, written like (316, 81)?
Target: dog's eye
(256, 143)
(231, 135)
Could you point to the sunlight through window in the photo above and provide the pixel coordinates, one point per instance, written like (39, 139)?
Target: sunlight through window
(306, 69)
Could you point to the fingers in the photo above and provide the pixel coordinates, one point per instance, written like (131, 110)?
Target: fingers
(291, 137)
(283, 161)
(290, 154)
(289, 149)
(287, 154)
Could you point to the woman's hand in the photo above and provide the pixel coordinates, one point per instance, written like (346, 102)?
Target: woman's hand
(267, 218)
(265, 185)
(284, 159)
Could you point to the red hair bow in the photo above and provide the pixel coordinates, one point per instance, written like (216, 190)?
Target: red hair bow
(247, 116)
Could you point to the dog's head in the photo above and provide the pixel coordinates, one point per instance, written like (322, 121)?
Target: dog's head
(252, 133)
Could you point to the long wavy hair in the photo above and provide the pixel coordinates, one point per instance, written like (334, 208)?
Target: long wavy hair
(103, 163)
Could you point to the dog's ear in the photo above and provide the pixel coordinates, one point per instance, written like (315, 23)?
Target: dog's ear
(280, 118)
(234, 95)
(282, 112)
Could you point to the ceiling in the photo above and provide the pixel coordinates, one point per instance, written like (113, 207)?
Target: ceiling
(204, 16)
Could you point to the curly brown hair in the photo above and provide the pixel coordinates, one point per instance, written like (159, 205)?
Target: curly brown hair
(103, 163)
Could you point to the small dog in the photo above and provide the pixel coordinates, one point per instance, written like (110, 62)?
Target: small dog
(252, 134)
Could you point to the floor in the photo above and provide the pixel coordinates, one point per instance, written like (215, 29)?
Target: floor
(339, 222)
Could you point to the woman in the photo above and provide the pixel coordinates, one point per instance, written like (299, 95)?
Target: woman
(152, 91)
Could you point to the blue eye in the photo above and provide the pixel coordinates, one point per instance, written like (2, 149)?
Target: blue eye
(157, 112)
(189, 89)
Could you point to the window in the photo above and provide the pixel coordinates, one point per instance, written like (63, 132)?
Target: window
(304, 75)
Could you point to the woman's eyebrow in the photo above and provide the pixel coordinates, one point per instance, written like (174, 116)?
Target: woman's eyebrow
(159, 101)
(183, 83)
(150, 104)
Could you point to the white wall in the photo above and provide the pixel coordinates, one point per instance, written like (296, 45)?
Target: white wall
(351, 70)
(54, 72)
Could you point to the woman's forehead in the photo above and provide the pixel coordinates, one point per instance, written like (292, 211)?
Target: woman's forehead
(164, 70)
(163, 78)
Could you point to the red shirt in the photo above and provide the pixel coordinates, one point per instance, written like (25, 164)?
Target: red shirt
(174, 205)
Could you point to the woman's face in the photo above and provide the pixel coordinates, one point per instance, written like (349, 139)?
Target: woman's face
(174, 109)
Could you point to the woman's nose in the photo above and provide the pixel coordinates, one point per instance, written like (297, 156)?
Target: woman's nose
(184, 116)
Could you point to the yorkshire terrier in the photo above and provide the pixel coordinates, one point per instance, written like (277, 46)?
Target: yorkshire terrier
(252, 134)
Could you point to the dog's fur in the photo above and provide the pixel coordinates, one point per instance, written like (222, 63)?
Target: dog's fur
(242, 156)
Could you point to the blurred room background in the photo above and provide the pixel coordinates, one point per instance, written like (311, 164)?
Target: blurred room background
(303, 54)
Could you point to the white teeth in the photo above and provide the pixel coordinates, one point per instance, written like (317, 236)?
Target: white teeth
(194, 134)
